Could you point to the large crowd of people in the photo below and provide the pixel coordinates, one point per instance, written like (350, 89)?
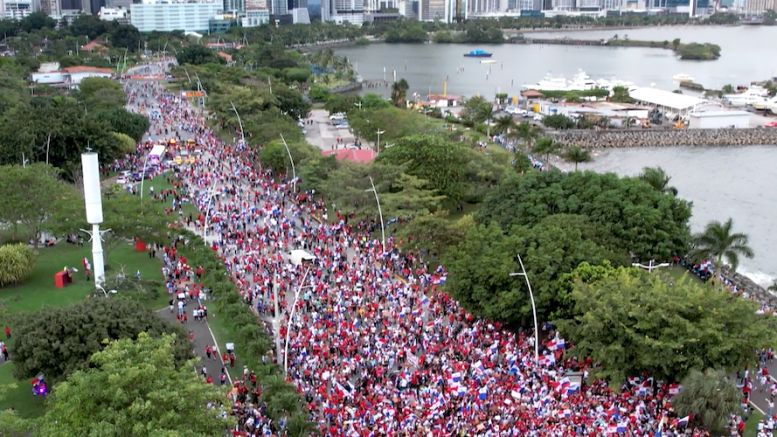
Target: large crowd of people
(375, 347)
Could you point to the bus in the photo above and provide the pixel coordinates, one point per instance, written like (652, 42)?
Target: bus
(156, 155)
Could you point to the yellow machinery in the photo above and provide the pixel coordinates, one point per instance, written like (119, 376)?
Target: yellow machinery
(679, 124)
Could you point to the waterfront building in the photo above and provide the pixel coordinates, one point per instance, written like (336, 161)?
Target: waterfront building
(431, 10)
(169, 15)
(255, 18)
(343, 11)
(17, 9)
(119, 14)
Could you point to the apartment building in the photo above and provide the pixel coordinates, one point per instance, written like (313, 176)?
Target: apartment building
(169, 15)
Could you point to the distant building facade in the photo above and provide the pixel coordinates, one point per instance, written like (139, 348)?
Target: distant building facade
(169, 15)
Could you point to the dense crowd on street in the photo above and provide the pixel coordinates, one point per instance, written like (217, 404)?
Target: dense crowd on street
(374, 355)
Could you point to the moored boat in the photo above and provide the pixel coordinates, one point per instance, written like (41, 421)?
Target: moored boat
(477, 54)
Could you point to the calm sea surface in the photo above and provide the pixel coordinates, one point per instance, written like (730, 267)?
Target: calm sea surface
(721, 182)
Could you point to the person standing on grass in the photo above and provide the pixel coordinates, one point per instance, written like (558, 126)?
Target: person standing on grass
(7, 332)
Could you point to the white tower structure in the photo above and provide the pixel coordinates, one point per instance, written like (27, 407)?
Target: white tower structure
(94, 212)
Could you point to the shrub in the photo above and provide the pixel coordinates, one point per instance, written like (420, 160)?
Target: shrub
(16, 263)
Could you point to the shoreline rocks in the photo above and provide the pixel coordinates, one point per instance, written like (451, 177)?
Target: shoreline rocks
(591, 139)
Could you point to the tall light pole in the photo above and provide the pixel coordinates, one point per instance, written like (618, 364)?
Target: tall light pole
(533, 309)
(288, 325)
(207, 213)
(380, 213)
(293, 169)
(377, 146)
(242, 133)
(143, 175)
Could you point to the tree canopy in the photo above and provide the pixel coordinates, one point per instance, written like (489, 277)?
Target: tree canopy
(632, 321)
(135, 388)
(58, 342)
(711, 397)
(649, 224)
(479, 266)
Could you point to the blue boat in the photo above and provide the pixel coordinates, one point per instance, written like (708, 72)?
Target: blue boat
(477, 54)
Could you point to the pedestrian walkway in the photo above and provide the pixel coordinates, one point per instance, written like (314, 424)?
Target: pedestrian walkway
(202, 337)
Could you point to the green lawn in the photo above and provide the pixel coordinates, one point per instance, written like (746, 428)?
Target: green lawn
(751, 427)
(679, 272)
(38, 290)
(19, 398)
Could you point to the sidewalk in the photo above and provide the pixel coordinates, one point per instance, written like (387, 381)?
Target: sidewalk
(202, 338)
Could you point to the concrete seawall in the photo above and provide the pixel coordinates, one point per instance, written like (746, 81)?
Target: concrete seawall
(636, 137)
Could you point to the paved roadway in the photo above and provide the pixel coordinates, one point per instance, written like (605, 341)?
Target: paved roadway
(201, 331)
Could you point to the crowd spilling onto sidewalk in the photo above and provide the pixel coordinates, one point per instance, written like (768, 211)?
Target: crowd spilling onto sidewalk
(374, 355)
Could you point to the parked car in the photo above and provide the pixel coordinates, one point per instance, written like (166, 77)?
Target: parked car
(771, 124)
(343, 126)
(337, 116)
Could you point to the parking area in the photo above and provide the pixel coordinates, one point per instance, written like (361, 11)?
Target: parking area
(323, 134)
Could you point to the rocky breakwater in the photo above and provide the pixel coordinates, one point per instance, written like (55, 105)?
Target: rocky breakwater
(636, 137)
(750, 287)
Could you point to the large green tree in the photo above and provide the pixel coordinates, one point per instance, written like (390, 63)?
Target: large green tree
(58, 342)
(549, 250)
(648, 223)
(434, 158)
(124, 122)
(711, 397)
(718, 241)
(633, 322)
(197, 54)
(135, 388)
(32, 206)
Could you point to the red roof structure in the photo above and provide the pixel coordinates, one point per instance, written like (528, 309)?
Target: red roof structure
(353, 155)
(226, 56)
(93, 46)
(87, 69)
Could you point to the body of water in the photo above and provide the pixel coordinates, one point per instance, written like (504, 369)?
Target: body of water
(425, 66)
(722, 182)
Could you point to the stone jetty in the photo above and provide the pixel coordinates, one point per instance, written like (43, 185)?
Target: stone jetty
(591, 139)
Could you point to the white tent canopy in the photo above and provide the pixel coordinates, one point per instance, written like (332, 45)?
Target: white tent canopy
(678, 102)
(298, 257)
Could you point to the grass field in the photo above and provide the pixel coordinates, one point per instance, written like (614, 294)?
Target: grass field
(19, 398)
(38, 292)
(751, 427)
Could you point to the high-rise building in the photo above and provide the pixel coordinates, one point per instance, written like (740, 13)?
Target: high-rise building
(17, 9)
(52, 8)
(343, 11)
(169, 15)
(430, 10)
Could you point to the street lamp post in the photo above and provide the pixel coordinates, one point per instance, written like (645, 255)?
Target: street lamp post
(533, 308)
(288, 325)
(276, 322)
(293, 169)
(207, 214)
(242, 133)
(377, 147)
(380, 213)
(143, 175)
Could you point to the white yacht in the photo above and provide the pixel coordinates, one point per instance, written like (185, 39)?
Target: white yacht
(754, 94)
(682, 77)
(765, 103)
(549, 83)
(581, 81)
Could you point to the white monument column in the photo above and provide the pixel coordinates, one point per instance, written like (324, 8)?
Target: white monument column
(94, 212)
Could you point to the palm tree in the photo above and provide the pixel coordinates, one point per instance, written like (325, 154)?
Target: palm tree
(656, 177)
(711, 397)
(504, 124)
(399, 92)
(527, 132)
(604, 122)
(485, 113)
(545, 146)
(577, 155)
(717, 241)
